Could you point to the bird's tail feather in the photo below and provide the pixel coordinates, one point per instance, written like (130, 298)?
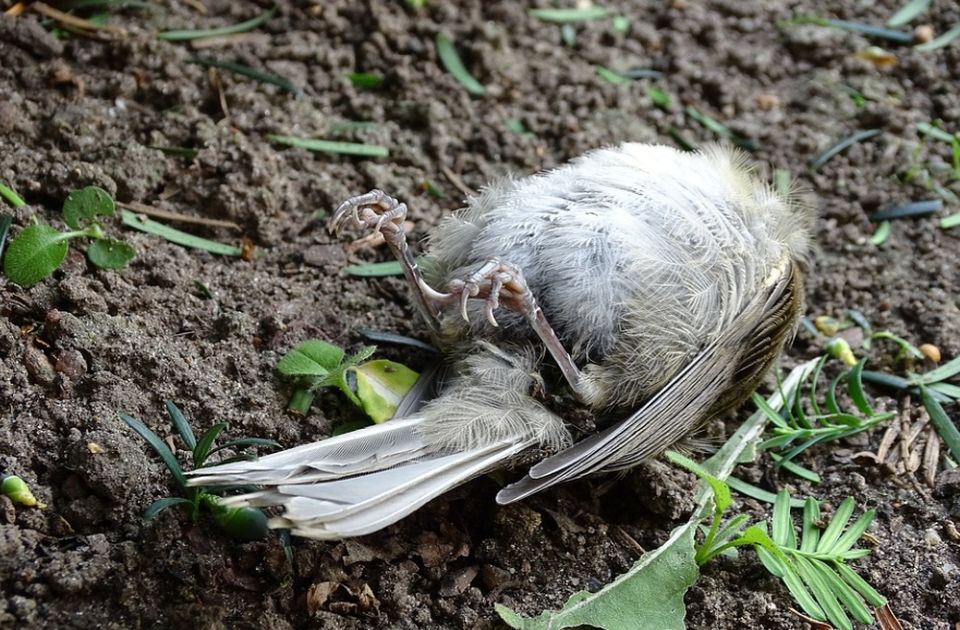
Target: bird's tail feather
(356, 483)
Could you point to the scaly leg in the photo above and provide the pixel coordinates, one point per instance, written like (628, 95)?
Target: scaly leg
(497, 282)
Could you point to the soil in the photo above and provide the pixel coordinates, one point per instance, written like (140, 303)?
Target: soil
(206, 331)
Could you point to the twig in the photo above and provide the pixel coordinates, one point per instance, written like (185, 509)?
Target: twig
(71, 20)
(456, 181)
(196, 5)
(140, 208)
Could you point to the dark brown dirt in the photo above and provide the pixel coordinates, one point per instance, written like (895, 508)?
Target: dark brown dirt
(85, 344)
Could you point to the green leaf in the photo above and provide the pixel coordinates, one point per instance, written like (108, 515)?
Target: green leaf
(869, 593)
(202, 450)
(825, 597)
(782, 527)
(839, 521)
(35, 253)
(848, 597)
(176, 236)
(855, 388)
(161, 504)
(882, 233)
(841, 146)
(375, 270)
(759, 494)
(454, 65)
(108, 253)
(944, 40)
(242, 27)
(941, 422)
(721, 490)
(332, 146)
(240, 523)
(180, 424)
(947, 370)
(908, 12)
(85, 204)
(853, 533)
(810, 533)
(313, 357)
(160, 447)
(369, 80)
(611, 76)
(649, 595)
(360, 356)
(249, 72)
(562, 16)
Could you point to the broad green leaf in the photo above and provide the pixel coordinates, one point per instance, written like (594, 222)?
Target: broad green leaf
(313, 357)
(649, 595)
(85, 204)
(108, 253)
(34, 254)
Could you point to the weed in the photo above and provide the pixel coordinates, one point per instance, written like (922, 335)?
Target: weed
(39, 249)
(375, 386)
(240, 523)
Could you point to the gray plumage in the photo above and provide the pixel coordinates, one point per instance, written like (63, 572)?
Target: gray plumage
(672, 280)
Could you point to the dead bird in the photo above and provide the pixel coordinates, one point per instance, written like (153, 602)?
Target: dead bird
(662, 284)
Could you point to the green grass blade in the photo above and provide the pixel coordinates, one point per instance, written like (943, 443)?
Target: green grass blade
(375, 270)
(831, 397)
(881, 234)
(796, 469)
(12, 197)
(721, 490)
(161, 504)
(5, 221)
(768, 411)
(731, 529)
(947, 370)
(565, 16)
(945, 427)
(837, 524)
(791, 579)
(720, 129)
(247, 71)
(332, 146)
(952, 391)
(853, 554)
(837, 148)
(181, 424)
(160, 447)
(814, 380)
(450, 59)
(752, 491)
(908, 12)
(906, 210)
(951, 221)
(176, 236)
(202, 450)
(855, 389)
(242, 27)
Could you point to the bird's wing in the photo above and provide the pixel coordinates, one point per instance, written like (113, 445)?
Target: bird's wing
(720, 377)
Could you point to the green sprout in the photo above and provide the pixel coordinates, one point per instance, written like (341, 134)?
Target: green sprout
(813, 567)
(375, 386)
(17, 490)
(38, 250)
(807, 420)
(241, 523)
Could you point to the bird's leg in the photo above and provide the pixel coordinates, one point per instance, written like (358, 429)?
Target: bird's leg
(500, 283)
(381, 213)
(497, 282)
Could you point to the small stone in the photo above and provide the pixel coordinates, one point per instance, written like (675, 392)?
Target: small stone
(457, 581)
(39, 368)
(71, 364)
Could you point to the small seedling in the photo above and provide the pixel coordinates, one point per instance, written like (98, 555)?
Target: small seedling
(375, 386)
(39, 249)
(808, 420)
(17, 490)
(812, 567)
(240, 523)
